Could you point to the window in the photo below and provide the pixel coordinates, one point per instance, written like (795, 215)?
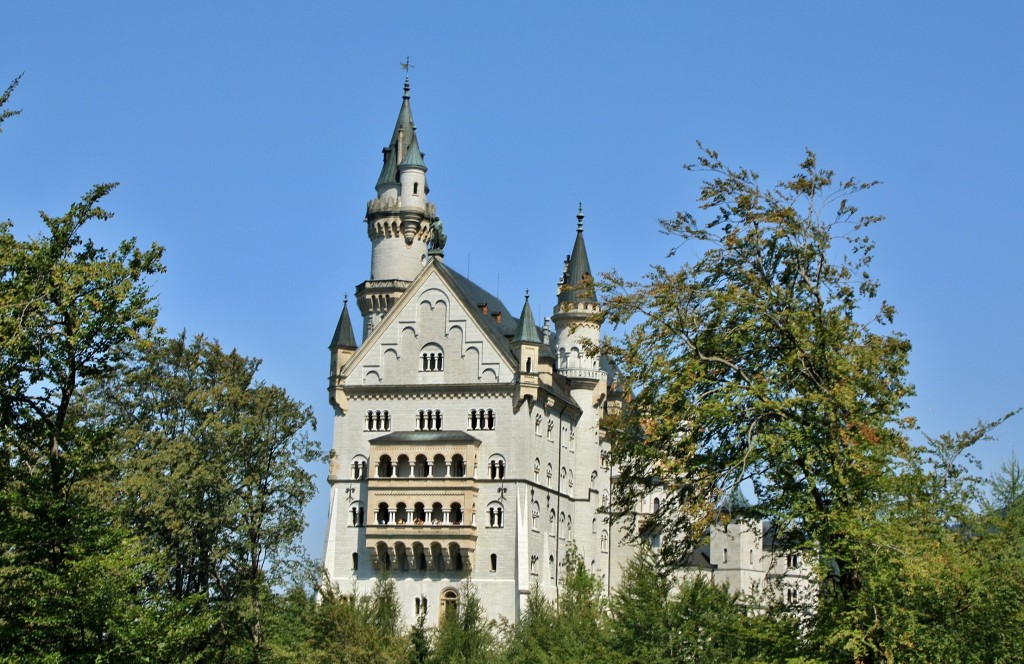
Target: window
(656, 506)
(604, 458)
(551, 566)
(536, 424)
(792, 560)
(725, 556)
(604, 541)
(496, 468)
(604, 499)
(355, 561)
(551, 429)
(384, 466)
(428, 420)
(481, 419)
(533, 564)
(415, 188)
(359, 468)
(751, 556)
(358, 513)
(377, 420)
(458, 466)
(536, 470)
(494, 562)
(549, 474)
(449, 601)
(791, 595)
(495, 516)
(535, 515)
(432, 358)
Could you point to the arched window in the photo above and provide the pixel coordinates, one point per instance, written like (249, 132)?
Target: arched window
(536, 470)
(551, 566)
(568, 527)
(436, 514)
(403, 468)
(494, 562)
(495, 516)
(656, 506)
(359, 468)
(456, 514)
(449, 601)
(428, 420)
(458, 466)
(496, 467)
(549, 474)
(725, 556)
(535, 515)
(355, 561)
(431, 358)
(604, 541)
(529, 365)
(357, 514)
(383, 514)
(377, 420)
(593, 480)
(415, 188)
(593, 525)
(384, 466)
(419, 514)
(604, 498)
(421, 468)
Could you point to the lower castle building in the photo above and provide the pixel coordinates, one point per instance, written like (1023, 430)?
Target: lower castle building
(467, 439)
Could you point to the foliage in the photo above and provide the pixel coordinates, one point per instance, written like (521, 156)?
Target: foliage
(755, 362)
(573, 629)
(211, 479)
(6, 113)
(464, 636)
(70, 311)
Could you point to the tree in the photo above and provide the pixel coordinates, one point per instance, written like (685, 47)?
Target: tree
(757, 362)
(70, 311)
(572, 629)
(212, 479)
(464, 635)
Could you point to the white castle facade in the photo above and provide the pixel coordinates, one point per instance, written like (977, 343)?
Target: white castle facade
(467, 441)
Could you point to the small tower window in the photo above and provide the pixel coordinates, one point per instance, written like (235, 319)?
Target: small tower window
(415, 188)
(494, 562)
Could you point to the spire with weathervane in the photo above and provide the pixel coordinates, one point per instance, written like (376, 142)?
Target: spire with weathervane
(399, 221)
(526, 344)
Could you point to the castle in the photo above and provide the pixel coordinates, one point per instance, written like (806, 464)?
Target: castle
(467, 440)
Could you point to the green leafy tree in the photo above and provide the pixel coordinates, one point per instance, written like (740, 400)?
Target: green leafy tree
(572, 629)
(213, 481)
(464, 636)
(758, 361)
(70, 311)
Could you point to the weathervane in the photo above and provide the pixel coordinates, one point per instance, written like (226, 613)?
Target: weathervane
(405, 65)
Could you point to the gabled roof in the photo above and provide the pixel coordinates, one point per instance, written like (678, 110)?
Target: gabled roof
(344, 337)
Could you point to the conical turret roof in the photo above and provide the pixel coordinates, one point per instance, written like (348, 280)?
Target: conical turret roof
(577, 282)
(344, 337)
(403, 138)
(526, 331)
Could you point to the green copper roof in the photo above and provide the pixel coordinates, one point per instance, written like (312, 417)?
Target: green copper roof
(344, 337)
(577, 282)
(526, 331)
(413, 156)
(404, 133)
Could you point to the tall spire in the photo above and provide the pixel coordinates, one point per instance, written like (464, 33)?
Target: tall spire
(577, 282)
(402, 138)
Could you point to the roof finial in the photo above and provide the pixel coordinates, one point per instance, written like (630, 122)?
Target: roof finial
(527, 293)
(346, 300)
(579, 217)
(405, 65)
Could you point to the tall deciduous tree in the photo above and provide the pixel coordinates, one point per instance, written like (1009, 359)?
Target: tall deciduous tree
(763, 360)
(213, 479)
(70, 311)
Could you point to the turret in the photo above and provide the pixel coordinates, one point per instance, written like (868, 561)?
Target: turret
(577, 332)
(342, 347)
(398, 221)
(526, 345)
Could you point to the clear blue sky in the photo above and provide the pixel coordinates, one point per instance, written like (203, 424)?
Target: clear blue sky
(247, 140)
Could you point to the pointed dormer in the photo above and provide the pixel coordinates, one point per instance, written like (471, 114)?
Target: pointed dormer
(398, 221)
(526, 345)
(342, 347)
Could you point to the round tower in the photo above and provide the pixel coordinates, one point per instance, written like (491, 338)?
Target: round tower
(398, 221)
(577, 333)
